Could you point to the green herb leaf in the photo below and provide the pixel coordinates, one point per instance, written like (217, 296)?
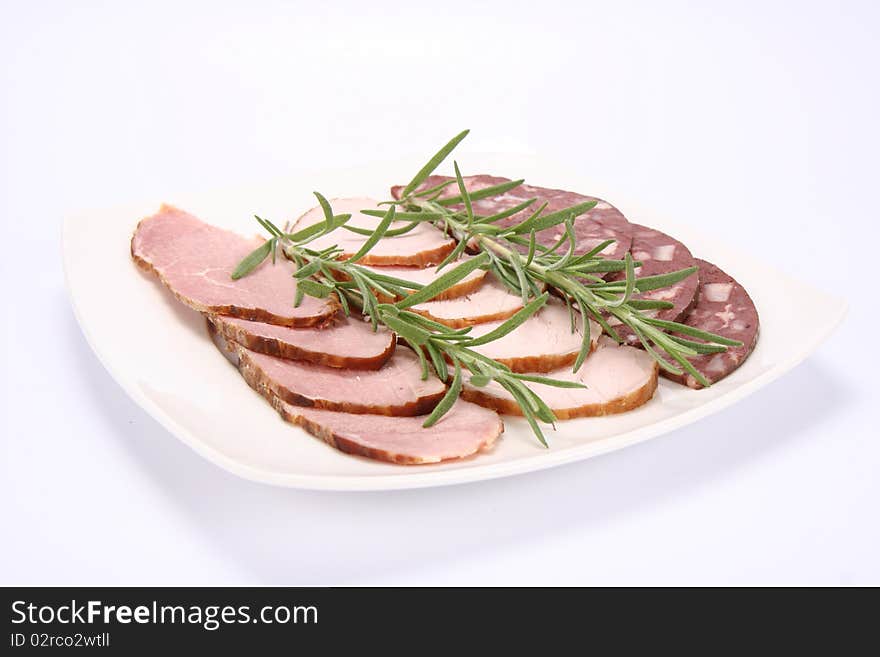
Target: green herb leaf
(650, 304)
(314, 289)
(402, 215)
(464, 195)
(629, 285)
(378, 234)
(504, 214)
(306, 233)
(448, 400)
(438, 361)
(554, 218)
(513, 322)
(423, 362)
(648, 283)
(586, 347)
(519, 270)
(548, 381)
(253, 259)
(486, 192)
(393, 232)
(413, 334)
(436, 189)
(325, 206)
(684, 329)
(443, 282)
(307, 270)
(453, 255)
(530, 258)
(433, 163)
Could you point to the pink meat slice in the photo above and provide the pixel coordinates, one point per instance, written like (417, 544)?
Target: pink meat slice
(395, 389)
(488, 303)
(542, 343)
(618, 378)
(346, 342)
(725, 308)
(660, 254)
(464, 431)
(423, 246)
(427, 275)
(195, 261)
(601, 223)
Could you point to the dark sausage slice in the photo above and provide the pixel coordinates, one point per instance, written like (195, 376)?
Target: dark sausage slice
(601, 223)
(724, 307)
(660, 254)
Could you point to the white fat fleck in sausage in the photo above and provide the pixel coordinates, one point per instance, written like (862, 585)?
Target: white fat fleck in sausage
(664, 253)
(718, 292)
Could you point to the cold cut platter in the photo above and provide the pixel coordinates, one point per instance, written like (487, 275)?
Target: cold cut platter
(428, 329)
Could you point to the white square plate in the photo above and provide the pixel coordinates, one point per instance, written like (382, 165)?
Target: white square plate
(158, 350)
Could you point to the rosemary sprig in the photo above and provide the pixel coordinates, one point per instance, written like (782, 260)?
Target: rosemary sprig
(572, 276)
(321, 273)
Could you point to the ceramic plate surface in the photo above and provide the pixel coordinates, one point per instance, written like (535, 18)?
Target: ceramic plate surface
(158, 350)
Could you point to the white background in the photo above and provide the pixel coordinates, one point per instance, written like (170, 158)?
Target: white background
(755, 120)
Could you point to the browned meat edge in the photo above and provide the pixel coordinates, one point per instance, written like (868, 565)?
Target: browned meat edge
(274, 347)
(543, 363)
(343, 444)
(255, 314)
(460, 289)
(462, 322)
(420, 259)
(257, 380)
(627, 403)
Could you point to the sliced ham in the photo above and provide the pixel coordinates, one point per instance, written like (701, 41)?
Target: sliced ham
(618, 378)
(195, 261)
(723, 307)
(346, 342)
(427, 275)
(489, 302)
(464, 431)
(423, 246)
(601, 223)
(660, 254)
(542, 343)
(395, 389)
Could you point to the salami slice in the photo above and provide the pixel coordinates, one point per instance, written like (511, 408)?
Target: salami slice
(660, 254)
(724, 307)
(602, 223)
